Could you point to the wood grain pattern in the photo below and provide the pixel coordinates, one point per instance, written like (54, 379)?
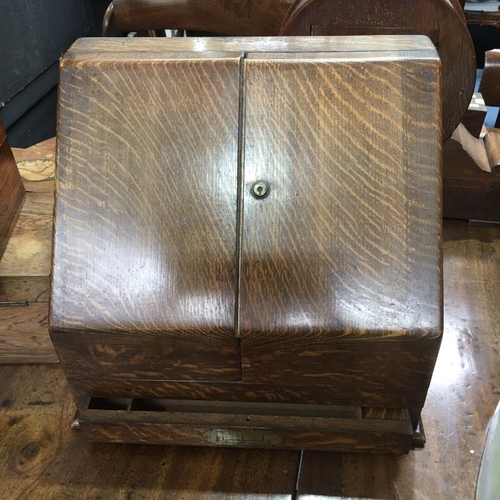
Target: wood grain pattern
(25, 267)
(45, 150)
(461, 400)
(36, 165)
(38, 175)
(85, 50)
(492, 143)
(311, 435)
(365, 262)
(41, 457)
(468, 192)
(24, 334)
(146, 213)
(442, 20)
(490, 81)
(241, 18)
(139, 355)
(24, 289)
(392, 367)
(11, 190)
(241, 425)
(29, 249)
(347, 244)
(155, 277)
(315, 393)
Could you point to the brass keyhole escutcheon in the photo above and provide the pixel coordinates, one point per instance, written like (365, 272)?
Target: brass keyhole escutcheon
(260, 189)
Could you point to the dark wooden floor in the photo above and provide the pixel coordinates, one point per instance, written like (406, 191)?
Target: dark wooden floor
(42, 457)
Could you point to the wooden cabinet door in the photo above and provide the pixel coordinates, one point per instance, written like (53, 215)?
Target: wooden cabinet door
(145, 241)
(345, 248)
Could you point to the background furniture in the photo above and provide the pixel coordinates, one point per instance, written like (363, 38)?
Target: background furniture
(11, 189)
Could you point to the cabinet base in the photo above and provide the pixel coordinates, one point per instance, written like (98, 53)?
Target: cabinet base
(249, 425)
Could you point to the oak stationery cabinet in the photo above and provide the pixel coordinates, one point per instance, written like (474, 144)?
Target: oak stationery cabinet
(248, 240)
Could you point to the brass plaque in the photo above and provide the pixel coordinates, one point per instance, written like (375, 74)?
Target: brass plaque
(242, 438)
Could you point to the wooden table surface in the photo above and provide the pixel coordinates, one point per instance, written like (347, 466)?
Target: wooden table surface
(25, 265)
(42, 457)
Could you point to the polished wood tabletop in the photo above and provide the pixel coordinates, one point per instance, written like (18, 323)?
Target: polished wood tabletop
(41, 457)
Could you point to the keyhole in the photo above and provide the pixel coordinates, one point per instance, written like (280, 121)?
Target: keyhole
(259, 189)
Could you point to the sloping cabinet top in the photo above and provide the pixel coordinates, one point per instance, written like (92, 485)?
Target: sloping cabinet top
(165, 256)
